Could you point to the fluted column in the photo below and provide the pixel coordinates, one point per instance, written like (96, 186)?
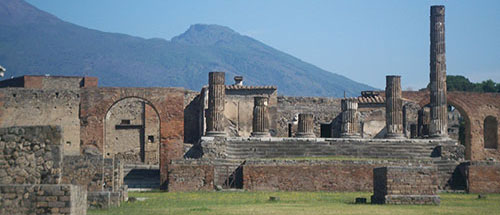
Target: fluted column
(439, 108)
(393, 107)
(260, 123)
(350, 122)
(216, 100)
(306, 126)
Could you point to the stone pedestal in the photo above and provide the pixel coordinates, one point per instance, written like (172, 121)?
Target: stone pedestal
(260, 122)
(439, 108)
(405, 185)
(393, 107)
(216, 100)
(350, 124)
(306, 126)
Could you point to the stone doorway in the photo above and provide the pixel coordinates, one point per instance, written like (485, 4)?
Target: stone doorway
(132, 132)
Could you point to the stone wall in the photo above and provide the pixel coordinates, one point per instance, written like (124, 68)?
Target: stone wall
(324, 110)
(191, 175)
(483, 177)
(310, 175)
(43, 199)
(50, 82)
(86, 171)
(405, 185)
(30, 155)
(35, 107)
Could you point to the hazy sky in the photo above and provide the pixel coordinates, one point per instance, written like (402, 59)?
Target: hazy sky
(363, 40)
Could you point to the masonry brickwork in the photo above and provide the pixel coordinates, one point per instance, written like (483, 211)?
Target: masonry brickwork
(483, 177)
(405, 185)
(43, 199)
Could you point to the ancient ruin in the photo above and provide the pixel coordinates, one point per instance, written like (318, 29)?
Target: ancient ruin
(87, 145)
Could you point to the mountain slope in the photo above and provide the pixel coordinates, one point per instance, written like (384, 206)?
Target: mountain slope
(35, 42)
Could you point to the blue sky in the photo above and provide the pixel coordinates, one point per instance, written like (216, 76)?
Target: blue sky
(363, 40)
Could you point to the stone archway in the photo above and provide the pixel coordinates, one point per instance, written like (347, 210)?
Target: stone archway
(132, 131)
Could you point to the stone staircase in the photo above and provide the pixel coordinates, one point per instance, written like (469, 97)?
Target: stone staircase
(141, 177)
(451, 178)
(227, 175)
(361, 149)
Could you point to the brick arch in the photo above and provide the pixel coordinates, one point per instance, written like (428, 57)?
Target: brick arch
(155, 115)
(474, 107)
(169, 104)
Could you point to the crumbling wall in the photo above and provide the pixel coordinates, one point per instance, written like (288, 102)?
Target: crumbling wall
(324, 110)
(30, 155)
(238, 109)
(34, 107)
(43, 199)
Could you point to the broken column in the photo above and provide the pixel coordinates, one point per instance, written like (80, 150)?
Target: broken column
(349, 128)
(393, 107)
(306, 126)
(260, 122)
(216, 99)
(439, 108)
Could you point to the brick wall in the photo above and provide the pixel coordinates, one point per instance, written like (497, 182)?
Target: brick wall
(192, 175)
(30, 155)
(339, 176)
(483, 177)
(43, 199)
(405, 185)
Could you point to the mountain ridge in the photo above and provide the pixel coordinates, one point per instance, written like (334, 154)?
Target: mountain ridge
(49, 45)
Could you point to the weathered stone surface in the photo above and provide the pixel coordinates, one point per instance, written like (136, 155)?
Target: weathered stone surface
(31, 155)
(43, 199)
(196, 176)
(394, 107)
(216, 103)
(439, 108)
(350, 124)
(483, 177)
(306, 126)
(405, 185)
(260, 122)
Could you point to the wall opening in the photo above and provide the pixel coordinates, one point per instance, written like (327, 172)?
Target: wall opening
(132, 132)
(490, 132)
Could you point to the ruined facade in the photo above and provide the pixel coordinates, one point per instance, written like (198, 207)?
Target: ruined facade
(248, 137)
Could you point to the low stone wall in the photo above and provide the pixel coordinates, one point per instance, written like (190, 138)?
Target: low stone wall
(191, 175)
(483, 177)
(307, 175)
(43, 199)
(30, 155)
(86, 171)
(405, 185)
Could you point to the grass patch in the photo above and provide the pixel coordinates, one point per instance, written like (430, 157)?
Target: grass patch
(291, 203)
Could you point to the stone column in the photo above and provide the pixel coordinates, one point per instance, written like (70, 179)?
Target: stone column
(260, 122)
(393, 107)
(424, 119)
(439, 108)
(350, 124)
(216, 100)
(306, 126)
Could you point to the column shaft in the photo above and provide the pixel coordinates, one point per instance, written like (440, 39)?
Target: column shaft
(306, 126)
(393, 107)
(216, 100)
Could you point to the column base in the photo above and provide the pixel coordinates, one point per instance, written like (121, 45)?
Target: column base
(215, 134)
(260, 134)
(305, 135)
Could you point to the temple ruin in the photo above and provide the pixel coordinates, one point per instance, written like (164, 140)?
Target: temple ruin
(103, 141)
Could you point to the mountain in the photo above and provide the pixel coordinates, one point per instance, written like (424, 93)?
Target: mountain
(35, 42)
